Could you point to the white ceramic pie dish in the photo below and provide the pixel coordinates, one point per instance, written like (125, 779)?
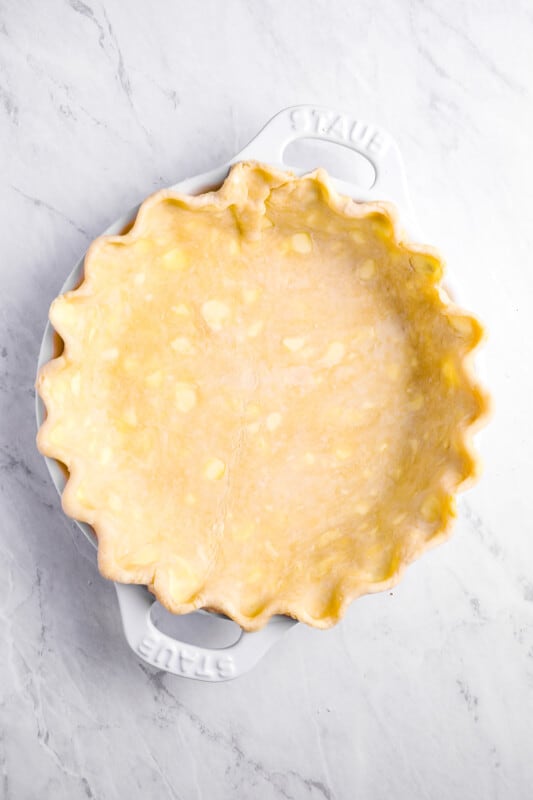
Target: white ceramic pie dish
(337, 131)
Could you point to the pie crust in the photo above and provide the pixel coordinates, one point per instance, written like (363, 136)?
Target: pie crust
(264, 401)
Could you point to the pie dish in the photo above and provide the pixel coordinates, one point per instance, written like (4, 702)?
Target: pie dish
(264, 400)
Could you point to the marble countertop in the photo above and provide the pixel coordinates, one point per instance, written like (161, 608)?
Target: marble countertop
(423, 692)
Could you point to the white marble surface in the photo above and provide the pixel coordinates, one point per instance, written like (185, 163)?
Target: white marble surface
(426, 692)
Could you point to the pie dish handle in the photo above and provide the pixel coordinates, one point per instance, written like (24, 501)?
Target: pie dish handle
(328, 125)
(188, 660)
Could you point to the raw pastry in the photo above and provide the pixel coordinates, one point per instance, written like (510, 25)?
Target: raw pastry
(263, 400)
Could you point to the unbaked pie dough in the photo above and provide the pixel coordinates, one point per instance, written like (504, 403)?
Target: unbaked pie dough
(263, 400)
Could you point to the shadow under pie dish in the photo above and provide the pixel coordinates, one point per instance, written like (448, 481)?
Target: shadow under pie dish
(264, 400)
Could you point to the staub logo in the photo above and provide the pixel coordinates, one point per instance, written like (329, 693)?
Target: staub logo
(185, 660)
(341, 128)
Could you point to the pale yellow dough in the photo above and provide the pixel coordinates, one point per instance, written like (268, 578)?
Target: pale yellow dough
(262, 400)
